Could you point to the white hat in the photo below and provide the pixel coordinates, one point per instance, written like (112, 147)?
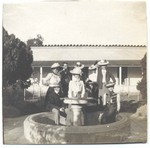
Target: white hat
(92, 67)
(110, 84)
(76, 71)
(103, 62)
(79, 65)
(55, 65)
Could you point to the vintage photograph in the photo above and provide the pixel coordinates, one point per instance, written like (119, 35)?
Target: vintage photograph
(74, 72)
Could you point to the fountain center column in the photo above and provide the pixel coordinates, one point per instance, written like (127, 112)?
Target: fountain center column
(78, 117)
(76, 108)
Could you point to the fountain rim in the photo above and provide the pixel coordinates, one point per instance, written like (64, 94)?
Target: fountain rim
(83, 129)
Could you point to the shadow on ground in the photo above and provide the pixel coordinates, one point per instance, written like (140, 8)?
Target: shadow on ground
(130, 106)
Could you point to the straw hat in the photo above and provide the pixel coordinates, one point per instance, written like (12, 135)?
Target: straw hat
(110, 84)
(92, 67)
(79, 65)
(103, 62)
(55, 65)
(76, 71)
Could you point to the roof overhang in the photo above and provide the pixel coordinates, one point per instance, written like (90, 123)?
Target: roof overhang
(131, 56)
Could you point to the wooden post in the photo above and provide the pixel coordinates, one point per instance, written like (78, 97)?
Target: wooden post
(41, 75)
(120, 75)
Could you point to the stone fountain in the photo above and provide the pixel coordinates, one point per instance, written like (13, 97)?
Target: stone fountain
(41, 129)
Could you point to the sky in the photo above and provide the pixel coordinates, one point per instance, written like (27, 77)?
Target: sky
(78, 21)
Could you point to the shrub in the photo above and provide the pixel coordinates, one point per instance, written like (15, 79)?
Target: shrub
(142, 85)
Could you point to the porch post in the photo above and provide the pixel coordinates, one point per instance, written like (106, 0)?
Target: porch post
(120, 75)
(41, 75)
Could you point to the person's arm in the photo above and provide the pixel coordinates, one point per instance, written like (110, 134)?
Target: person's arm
(70, 90)
(48, 77)
(118, 102)
(112, 77)
(104, 99)
(83, 90)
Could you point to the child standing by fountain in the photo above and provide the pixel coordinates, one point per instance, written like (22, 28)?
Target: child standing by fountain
(76, 91)
(111, 102)
(76, 85)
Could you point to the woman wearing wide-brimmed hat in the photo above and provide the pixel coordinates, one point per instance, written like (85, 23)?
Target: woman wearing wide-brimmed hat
(91, 82)
(54, 76)
(104, 77)
(76, 85)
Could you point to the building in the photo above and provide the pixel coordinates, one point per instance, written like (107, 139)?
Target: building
(124, 61)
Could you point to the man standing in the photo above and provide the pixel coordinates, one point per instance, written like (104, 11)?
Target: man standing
(104, 77)
(65, 79)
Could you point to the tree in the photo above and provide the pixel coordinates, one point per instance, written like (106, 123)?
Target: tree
(142, 85)
(36, 41)
(17, 59)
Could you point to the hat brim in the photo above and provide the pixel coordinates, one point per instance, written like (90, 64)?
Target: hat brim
(82, 66)
(110, 85)
(103, 64)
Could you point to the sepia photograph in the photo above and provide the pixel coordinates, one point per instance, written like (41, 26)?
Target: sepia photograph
(74, 72)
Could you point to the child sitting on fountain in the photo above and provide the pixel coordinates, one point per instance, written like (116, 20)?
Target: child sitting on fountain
(76, 85)
(111, 102)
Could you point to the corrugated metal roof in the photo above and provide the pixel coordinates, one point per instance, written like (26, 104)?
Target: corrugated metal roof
(88, 53)
(89, 45)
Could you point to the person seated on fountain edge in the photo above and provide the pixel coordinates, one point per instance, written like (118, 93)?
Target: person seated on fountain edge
(76, 85)
(111, 104)
(54, 101)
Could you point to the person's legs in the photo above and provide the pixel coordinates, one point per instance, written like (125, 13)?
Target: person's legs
(109, 115)
(101, 93)
(69, 116)
(56, 116)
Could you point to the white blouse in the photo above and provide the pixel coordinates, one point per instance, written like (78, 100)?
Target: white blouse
(76, 89)
(93, 76)
(51, 78)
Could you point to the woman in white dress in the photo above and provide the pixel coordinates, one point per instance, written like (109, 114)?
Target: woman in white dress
(76, 85)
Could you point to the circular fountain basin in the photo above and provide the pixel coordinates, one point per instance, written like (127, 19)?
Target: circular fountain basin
(41, 129)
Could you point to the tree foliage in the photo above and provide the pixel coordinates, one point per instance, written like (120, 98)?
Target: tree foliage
(142, 85)
(36, 41)
(17, 59)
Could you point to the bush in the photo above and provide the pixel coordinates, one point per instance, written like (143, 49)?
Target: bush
(142, 85)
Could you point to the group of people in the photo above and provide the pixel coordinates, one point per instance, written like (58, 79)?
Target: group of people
(99, 85)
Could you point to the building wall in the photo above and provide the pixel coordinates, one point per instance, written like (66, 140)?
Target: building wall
(128, 84)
